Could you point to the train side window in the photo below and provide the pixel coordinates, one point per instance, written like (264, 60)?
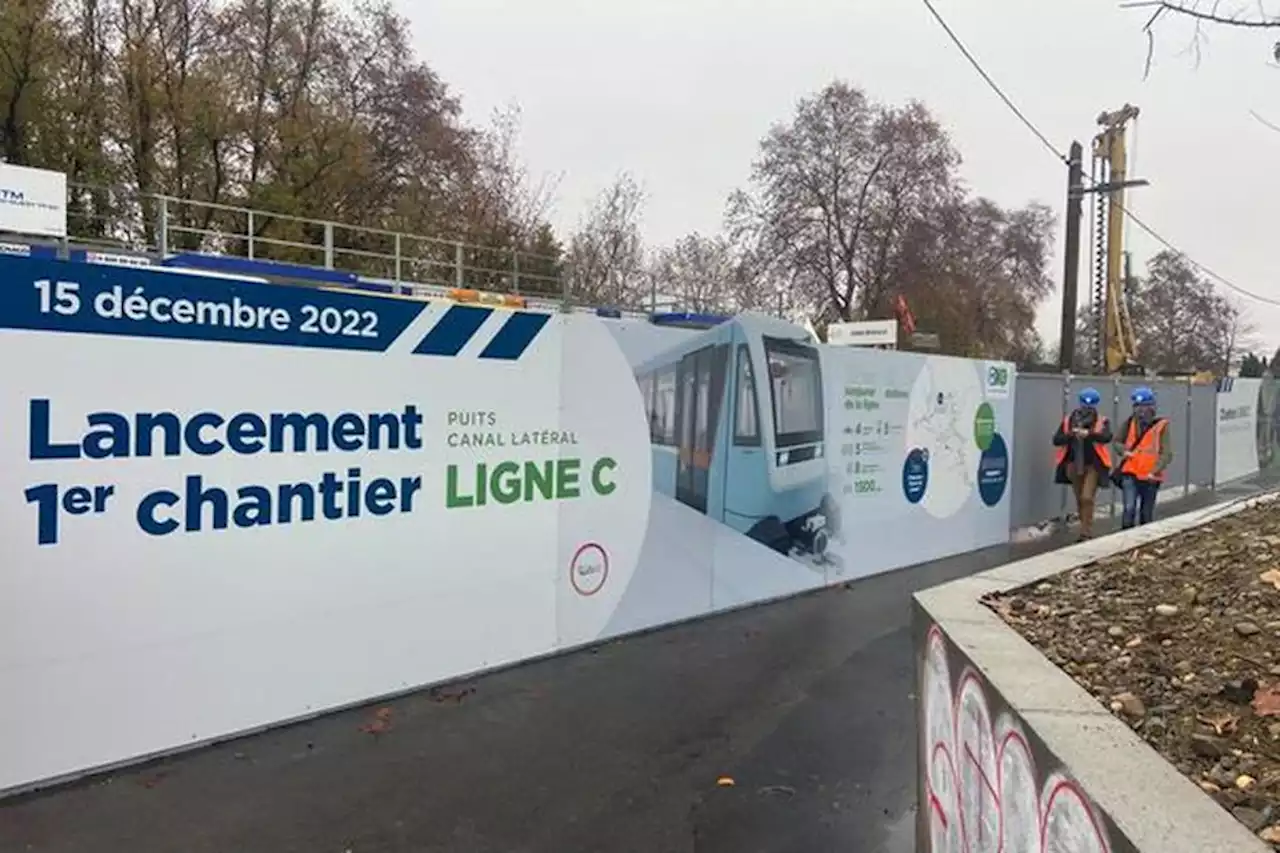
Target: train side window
(663, 422)
(646, 395)
(746, 422)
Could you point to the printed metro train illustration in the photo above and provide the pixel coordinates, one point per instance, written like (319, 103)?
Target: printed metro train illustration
(737, 427)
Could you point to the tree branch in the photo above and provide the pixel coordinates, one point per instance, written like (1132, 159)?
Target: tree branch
(1212, 15)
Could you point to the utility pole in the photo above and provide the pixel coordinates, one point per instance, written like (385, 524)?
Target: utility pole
(1071, 258)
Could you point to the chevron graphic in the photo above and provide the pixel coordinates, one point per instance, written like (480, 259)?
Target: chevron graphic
(457, 326)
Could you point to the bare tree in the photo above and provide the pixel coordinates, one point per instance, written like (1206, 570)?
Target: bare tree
(708, 274)
(835, 190)
(1180, 322)
(606, 257)
(305, 108)
(976, 274)
(505, 194)
(28, 49)
(1202, 15)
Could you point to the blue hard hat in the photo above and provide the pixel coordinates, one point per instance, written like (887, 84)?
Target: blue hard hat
(1090, 397)
(1143, 396)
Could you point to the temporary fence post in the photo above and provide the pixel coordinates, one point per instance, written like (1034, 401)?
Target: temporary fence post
(1213, 461)
(1186, 443)
(1063, 510)
(398, 264)
(328, 245)
(515, 271)
(457, 265)
(162, 227)
(1115, 421)
(250, 235)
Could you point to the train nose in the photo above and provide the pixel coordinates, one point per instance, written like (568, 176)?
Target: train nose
(819, 543)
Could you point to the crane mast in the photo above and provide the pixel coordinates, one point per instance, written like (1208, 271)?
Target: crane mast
(1115, 347)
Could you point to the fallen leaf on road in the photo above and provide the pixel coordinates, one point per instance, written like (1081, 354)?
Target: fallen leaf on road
(725, 782)
(1266, 700)
(1220, 723)
(381, 722)
(1271, 576)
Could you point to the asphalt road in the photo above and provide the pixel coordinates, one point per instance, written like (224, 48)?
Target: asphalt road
(806, 704)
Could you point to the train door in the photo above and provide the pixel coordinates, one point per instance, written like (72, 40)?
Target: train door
(700, 384)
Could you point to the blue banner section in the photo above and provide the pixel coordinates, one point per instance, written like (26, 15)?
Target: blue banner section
(58, 296)
(515, 336)
(461, 323)
(452, 331)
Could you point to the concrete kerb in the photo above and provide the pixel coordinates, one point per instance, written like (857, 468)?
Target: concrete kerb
(1152, 805)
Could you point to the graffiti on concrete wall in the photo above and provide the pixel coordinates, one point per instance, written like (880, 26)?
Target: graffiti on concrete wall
(983, 789)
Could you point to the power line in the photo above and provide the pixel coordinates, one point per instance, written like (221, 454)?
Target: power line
(1044, 140)
(977, 66)
(1225, 282)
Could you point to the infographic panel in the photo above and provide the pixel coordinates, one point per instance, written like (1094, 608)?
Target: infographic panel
(923, 455)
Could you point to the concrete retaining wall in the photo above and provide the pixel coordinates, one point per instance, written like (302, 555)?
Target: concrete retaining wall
(1015, 756)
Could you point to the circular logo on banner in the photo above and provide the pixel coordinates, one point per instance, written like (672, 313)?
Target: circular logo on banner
(984, 426)
(915, 475)
(589, 569)
(993, 471)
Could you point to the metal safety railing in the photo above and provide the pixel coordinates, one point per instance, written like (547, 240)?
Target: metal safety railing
(117, 219)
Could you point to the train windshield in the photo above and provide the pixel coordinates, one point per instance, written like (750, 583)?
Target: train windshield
(795, 385)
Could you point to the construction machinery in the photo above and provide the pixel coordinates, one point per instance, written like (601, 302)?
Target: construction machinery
(1115, 349)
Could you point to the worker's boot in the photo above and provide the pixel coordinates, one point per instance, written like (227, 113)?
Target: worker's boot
(1086, 519)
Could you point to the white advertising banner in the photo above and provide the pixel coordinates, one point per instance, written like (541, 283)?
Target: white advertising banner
(865, 333)
(1237, 428)
(33, 201)
(227, 504)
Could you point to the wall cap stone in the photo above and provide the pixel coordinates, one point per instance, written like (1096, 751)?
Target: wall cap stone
(1152, 804)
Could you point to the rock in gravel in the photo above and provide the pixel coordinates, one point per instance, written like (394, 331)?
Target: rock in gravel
(1247, 629)
(1115, 631)
(1251, 818)
(1131, 706)
(1166, 610)
(1207, 746)
(1239, 692)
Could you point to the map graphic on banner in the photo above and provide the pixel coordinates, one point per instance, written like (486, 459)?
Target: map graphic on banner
(326, 496)
(923, 448)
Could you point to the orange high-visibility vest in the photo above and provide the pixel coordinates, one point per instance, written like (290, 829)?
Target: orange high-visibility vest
(1144, 455)
(1104, 452)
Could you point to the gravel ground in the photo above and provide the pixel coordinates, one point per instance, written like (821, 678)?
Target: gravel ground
(1181, 640)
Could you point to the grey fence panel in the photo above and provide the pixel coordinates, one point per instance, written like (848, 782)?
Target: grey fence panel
(1041, 401)
(1038, 408)
(1201, 445)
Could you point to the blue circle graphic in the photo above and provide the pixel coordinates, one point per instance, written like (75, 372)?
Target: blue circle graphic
(915, 475)
(993, 471)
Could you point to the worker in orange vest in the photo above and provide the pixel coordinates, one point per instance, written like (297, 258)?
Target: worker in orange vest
(1145, 452)
(1082, 455)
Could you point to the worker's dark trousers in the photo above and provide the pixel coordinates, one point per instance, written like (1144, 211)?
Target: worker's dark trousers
(1139, 500)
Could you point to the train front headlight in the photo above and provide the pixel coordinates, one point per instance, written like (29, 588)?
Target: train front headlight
(784, 457)
(817, 451)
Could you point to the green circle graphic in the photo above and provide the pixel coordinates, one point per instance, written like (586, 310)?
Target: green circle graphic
(984, 426)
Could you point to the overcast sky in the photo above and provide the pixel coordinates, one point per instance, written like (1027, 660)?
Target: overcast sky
(679, 92)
